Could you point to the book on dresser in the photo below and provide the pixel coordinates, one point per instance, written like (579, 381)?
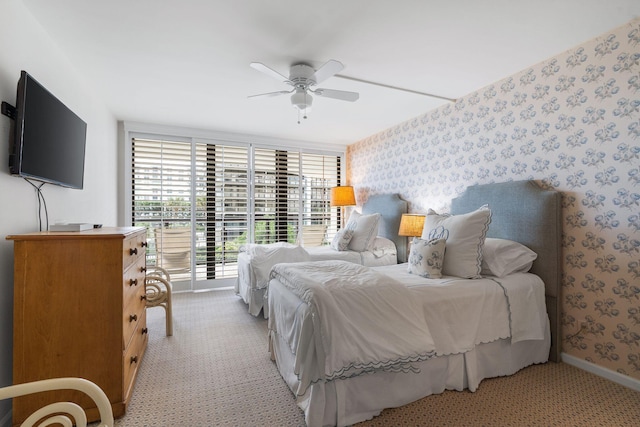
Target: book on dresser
(79, 311)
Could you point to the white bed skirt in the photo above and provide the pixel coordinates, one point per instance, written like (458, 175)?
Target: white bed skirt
(345, 402)
(244, 288)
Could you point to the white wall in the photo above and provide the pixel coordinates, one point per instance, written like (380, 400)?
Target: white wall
(24, 45)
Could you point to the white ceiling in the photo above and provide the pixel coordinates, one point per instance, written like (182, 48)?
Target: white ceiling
(186, 63)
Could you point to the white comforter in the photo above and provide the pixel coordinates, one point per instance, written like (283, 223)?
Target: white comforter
(463, 313)
(382, 252)
(458, 314)
(264, 256)
(362, 321)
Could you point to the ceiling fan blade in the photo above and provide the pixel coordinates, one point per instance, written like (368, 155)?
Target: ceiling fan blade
(268, 71)
(337, 94)
(280, 92)
(329, 68)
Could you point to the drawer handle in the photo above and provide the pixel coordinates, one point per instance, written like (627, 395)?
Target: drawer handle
(134, 359)
(143, 269)
(145, 331)
(143, 297)
(133, 318)
(133, 282)
(133, 251)
(144, 244)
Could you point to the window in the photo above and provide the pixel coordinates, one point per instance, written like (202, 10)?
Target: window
(276, 207)
(201, 200)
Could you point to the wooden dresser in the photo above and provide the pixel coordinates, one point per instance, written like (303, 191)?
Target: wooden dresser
(79, 311)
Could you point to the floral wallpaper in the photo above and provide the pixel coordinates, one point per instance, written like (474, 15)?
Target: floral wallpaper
(571, 123)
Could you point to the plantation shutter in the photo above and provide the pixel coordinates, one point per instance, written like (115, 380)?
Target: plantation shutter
(319, 174)
(161, 201)
(221, 213)
(276, 195)
(201, 200)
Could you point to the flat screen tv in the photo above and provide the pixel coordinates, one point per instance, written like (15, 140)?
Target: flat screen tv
(49, 140)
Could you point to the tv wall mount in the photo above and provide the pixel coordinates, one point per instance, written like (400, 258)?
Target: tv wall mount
(8, 110)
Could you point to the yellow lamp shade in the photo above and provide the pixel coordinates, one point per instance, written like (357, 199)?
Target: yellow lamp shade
(343, 196)
(411, 225)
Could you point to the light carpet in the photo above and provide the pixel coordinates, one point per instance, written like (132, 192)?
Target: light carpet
(216, 371)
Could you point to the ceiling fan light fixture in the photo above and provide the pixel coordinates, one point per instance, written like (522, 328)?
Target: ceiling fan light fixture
(301, 100)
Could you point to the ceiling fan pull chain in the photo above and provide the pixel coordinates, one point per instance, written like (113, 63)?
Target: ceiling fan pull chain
(306, 103)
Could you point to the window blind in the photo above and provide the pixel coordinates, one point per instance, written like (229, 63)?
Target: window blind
(276, 195)
(222, 195)
(161, 200)
(201, 200)
(319, 174)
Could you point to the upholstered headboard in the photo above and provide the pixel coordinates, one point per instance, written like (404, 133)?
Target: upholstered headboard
(391, 207)
(524, 212)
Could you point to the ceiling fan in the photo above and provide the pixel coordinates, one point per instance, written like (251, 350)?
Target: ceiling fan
(303, 79)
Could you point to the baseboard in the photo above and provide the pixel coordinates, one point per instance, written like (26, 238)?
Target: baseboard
(601, 372)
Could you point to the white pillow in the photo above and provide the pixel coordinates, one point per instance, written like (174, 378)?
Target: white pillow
(501, 257)
(465, 235)
(365, 229)
(382, 243)
(426, 257)
(341, 240)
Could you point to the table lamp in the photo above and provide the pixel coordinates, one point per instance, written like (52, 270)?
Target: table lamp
(342, 196)
(411, 225)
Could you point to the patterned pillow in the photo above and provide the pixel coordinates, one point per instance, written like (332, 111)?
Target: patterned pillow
(365, 230)
(427, 257)
(341, 240)
(465, 235)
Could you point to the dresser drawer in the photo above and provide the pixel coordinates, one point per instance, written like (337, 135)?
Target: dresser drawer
(133, 354)
(133, 316)
(134, 248)
(133, 282)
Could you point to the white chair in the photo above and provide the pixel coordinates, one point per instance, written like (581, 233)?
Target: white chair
(62, 413)
(158, 293)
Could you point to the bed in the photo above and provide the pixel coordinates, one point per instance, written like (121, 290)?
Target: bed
(255, 261)
(329, 365)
